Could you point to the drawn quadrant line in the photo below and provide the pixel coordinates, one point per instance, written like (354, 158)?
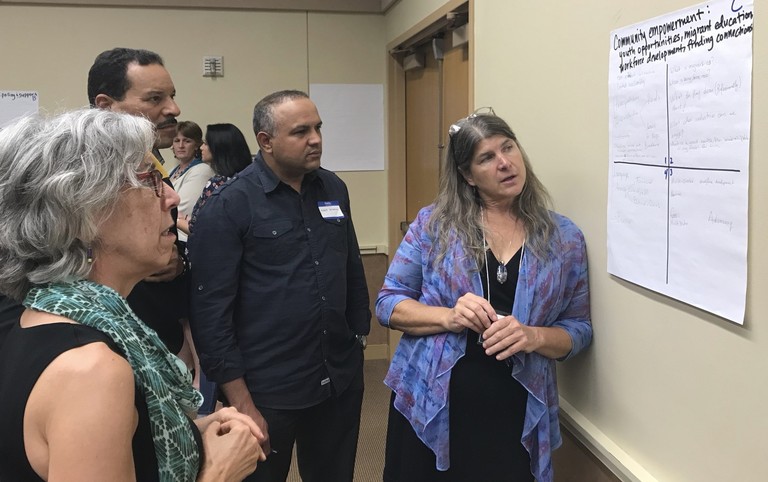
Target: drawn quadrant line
(668, 171)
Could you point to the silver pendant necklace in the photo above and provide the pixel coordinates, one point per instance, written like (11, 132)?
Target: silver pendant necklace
(501, 273)
(501, 270)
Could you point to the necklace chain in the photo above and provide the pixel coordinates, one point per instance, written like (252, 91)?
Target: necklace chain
(501, 271)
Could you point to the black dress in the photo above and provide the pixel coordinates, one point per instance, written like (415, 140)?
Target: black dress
(486, 413)
(24, 356)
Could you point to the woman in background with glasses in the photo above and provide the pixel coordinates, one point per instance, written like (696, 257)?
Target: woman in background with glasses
(489, 287)
(87, 391)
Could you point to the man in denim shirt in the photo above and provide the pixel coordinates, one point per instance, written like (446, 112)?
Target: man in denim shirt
(279, 302)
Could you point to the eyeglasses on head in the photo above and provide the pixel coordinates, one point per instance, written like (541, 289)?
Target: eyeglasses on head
(456, 127)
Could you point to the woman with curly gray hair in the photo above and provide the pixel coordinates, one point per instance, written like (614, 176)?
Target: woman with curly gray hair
(88, 391)
(489, 287)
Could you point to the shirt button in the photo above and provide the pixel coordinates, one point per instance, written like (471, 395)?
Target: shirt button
(199, 287)
(322, 298)
(309, 229)
(317, 263)
(325, 332)
(274, 233)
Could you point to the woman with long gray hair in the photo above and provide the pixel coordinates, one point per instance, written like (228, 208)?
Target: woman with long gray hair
(88, 391)
(489, 288)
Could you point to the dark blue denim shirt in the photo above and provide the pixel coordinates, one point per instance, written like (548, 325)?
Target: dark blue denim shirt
(278, 291)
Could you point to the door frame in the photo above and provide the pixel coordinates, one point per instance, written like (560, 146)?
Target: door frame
(396, 178)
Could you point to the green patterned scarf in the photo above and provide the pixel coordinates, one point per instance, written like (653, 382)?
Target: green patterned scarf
(161, 376)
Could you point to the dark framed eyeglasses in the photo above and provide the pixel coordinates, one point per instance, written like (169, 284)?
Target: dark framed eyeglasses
(152, 178)
(456, 127)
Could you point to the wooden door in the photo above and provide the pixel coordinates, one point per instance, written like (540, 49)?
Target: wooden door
(436, 96)
(422, 104)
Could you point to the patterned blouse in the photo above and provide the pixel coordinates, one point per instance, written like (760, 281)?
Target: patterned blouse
(552, 292)
(212, 184)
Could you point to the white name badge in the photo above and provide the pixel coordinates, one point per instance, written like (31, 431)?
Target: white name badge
(330, 210)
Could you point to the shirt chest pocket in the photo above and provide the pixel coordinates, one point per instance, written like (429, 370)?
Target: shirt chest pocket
(335, 229)
(274, 241)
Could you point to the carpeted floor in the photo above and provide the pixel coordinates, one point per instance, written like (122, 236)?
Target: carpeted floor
(373, 426)
(573, 462)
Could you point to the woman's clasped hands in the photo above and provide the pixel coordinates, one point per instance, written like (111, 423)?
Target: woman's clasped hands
(503, 336)
(507, 336)
(471, 311)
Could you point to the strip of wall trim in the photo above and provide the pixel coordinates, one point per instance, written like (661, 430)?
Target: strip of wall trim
(349, 6)
(373, 249)
(602, 447)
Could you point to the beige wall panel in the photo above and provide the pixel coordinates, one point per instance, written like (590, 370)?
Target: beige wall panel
(368, 195)
(368, 6)
(263, 52)
(349, 49)
(346, 48)
(407, 13)
(681, 391)
(375, 269)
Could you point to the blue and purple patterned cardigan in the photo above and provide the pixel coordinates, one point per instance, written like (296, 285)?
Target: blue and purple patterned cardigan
(552, 292)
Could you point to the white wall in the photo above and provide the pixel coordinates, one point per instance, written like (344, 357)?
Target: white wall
(681, 391)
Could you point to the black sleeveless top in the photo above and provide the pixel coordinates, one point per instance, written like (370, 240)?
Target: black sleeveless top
(487, 405)
(24, 356)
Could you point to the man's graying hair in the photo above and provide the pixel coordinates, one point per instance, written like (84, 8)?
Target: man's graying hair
(263, 113)
(60, 177)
